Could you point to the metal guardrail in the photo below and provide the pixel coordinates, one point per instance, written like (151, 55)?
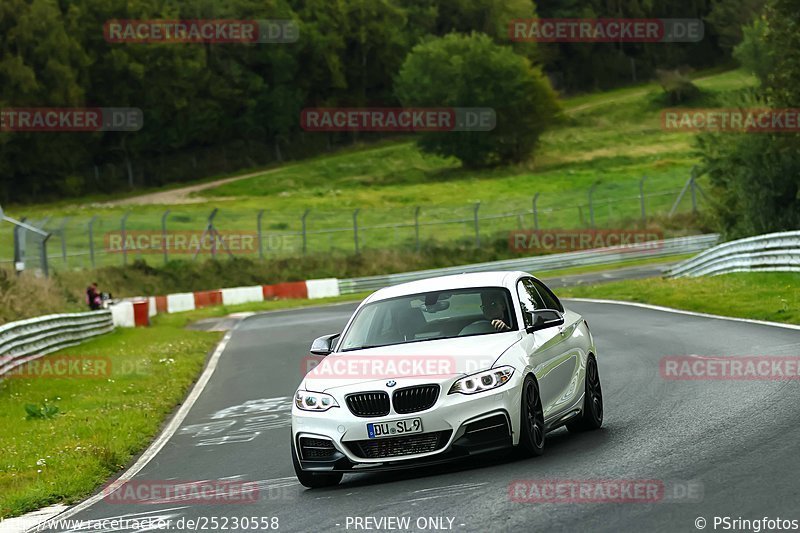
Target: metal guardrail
(773, 252)
(30, 339)
(601, 256)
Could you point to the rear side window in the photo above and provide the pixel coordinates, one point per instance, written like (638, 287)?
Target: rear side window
(529, 299)
(550, 299)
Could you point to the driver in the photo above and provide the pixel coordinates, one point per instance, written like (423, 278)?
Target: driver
(493, 305)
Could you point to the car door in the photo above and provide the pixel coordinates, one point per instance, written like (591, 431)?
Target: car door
(568, 374)
(549, 351)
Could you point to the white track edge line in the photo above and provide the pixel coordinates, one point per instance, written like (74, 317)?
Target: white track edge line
(684, 312)
(160, 441)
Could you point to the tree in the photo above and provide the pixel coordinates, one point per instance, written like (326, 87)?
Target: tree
(471, 71)
(752, 53)
(727, 19)
(756, 176)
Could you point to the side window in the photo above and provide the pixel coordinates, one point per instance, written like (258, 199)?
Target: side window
(550, 299)
(529, 299)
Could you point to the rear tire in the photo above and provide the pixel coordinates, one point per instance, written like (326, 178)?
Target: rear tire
(531, 439)
(592, 415)
(313, 480)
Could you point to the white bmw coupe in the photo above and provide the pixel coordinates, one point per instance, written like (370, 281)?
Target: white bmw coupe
(441, 369)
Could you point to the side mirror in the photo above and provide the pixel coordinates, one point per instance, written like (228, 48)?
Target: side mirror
(543, 319)
(324, 345)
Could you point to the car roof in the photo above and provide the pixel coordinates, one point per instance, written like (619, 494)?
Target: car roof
(504, 279)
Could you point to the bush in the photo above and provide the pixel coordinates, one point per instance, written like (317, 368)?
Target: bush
(471, 71)
(678, 87)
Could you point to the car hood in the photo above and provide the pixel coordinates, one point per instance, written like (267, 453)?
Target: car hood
(428, 361)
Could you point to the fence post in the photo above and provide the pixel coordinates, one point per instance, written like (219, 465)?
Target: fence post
(45, 267)
(641, 200)
(535, 212)
(416, 226)
(591, 205)
(62, 232)
(124, 238)
(212, 232)
(91, 239)
(477, 226)
(164, 234)
(305, 234)
(694, 194)
(355, 227)
(680, 197)
(19, 247)
(258, 228)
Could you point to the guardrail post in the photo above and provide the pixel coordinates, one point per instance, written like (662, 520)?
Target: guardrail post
(591, 205)
(355, 228)
(535, 212)
(305, 234)
(91, 238)
(258, 229)
(416, 226)
(641, 200)
(164, 234)
(477, 225)
(123, 223)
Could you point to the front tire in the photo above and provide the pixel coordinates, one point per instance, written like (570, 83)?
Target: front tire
(531, 440)
(313, 480)
(592, 416)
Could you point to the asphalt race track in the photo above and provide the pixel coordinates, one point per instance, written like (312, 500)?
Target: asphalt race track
(737, 441)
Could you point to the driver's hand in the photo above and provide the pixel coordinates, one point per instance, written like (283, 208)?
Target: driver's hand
(499, 325)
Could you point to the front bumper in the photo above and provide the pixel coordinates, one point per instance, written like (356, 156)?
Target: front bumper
(457, 426)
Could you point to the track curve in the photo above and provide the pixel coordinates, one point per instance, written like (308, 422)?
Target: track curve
(737, 440)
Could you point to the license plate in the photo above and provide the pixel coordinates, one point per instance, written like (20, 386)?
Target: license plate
(406, 426)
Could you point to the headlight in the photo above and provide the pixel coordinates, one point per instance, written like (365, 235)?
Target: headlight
(482, 381)
(314, 401)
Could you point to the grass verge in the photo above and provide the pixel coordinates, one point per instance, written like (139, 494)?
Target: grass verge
(769, 296)
(102, 421)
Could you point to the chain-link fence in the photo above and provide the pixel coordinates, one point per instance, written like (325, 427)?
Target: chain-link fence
(195, 232)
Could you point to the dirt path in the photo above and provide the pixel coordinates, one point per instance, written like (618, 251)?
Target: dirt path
(182, 195)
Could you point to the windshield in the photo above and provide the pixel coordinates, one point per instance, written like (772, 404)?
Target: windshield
(430, 316)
